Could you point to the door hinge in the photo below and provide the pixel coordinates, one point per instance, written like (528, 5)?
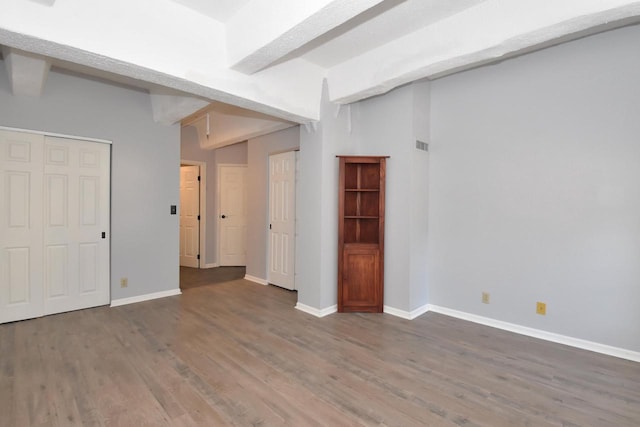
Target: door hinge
(198, 256)
(269, 226)
(198, 217)
(198, 177)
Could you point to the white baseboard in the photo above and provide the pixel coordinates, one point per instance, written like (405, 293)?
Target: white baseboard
(146, 297)
(537, 333)
(317, 312)
(210, 265)
(255, 279)
(408, 315)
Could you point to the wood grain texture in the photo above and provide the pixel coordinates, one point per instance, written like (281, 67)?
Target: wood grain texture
(238, 353)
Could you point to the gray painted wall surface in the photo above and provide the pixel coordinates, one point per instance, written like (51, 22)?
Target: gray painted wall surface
(231, 154)
(259, 150)
(385, 125)
(317, 249)
(535, 189)
(389, 125)
(144, 169)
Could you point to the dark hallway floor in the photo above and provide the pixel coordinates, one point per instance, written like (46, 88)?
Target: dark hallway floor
(196, 277)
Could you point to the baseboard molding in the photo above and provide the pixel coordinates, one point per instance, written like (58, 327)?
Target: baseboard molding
(255, 279)
(210, 265)
(317, 312)
(408, 315)
(146, 297)
(537, 333)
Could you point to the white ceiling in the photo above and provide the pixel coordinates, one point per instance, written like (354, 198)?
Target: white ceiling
(220, 10)
(378, 26)
(272, 56)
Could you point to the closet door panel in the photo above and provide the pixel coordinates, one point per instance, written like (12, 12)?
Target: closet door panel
(77, 213)
(21, 255)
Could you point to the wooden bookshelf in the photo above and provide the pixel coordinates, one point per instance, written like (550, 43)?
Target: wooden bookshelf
(361, 233)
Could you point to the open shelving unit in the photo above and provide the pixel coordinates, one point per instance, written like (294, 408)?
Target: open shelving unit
(361, 233)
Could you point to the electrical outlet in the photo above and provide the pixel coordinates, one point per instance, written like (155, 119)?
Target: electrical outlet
(124, 282)
(541, 308)
(485, 297)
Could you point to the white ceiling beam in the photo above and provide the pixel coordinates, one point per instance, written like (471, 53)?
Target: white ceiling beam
(169, 108)
(45, 2)
(191, 60)
(492, 30)
(27, 72)
(264, 31)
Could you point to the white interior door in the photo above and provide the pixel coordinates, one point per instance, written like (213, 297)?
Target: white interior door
(20, 226)
(233, 215)
(282, 223)
(76, 214)
(54, 225)
(189, 216)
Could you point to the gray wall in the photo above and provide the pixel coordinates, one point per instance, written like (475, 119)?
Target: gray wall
(317, 204)
(259, 150)
(232, 154)
(144, 169)
(535, 189)
(389, 125)
(384, 125)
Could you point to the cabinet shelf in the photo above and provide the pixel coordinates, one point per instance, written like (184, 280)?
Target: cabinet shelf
(361, 234)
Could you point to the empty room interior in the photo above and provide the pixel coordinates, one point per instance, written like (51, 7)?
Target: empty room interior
(319, 212)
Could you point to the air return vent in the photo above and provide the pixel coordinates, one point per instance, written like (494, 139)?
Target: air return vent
(422, 145)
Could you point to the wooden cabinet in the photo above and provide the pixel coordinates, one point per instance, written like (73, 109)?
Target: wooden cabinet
(361, 234)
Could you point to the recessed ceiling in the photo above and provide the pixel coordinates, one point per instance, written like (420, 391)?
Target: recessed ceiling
(378, 26)
(220, 10)
(274, 57)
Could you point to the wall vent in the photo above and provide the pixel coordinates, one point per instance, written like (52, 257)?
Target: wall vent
(422, 145)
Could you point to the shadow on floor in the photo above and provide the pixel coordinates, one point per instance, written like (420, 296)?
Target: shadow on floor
(195, 277)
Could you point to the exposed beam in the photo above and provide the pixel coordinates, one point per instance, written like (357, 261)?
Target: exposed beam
(169, 108)
(45, 2)
(264, 31)
(191, 60)
(27, 72)
(475, 36)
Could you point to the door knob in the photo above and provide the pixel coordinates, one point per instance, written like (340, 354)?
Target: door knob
(223, 216)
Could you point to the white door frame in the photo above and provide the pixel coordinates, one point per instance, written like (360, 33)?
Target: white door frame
(106, 234)
(219, 167)
(203, 210)
(295, 218)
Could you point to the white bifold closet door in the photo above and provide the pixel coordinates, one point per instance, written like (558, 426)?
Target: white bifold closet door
(54, 225)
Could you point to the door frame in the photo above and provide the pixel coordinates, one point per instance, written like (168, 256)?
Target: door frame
(295, 218)
(203, 211)
(219, 167)
(109, 143)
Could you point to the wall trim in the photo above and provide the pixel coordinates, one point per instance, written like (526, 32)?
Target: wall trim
(408, 315)
(317, 312)
(56, 135)
(537, 333)
(145, 297)
(210, 265)
(255, 279)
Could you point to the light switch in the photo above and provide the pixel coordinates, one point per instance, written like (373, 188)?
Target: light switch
(174, 209)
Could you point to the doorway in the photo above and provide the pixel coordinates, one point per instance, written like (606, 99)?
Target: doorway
(54, 225)
(232, 215)
(282, 220)
(192, 214)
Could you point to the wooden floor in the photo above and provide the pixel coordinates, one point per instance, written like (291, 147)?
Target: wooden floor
(238, 353)
(195, 277)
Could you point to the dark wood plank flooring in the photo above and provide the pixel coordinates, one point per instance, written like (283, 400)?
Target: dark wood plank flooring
(195, 277)
(238, 353)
